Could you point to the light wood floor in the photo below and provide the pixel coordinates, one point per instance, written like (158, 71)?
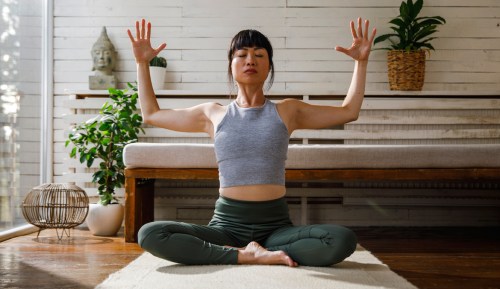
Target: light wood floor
(427, 257)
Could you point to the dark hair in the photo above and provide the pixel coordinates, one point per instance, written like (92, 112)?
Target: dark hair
(250, 38)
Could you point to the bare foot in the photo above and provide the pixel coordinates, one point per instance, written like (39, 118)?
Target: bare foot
(254, 253)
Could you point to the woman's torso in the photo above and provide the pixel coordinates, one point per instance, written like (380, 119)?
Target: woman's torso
(249, 192)
(254, 192)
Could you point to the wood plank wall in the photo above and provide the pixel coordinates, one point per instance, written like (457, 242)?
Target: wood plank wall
(304, 34)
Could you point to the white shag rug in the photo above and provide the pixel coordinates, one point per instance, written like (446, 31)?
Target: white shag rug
(360, 270)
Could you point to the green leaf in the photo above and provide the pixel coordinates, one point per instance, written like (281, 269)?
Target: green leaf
(105, 199)
(73, 153)
(113, 91)
(424, 33)
(383, 38)
(83, 157)
(417, 7)
(428, 46)
(410, 12)
(398, 22)
(403, 10)
(90, 161)
(104, 126)
(429, 21)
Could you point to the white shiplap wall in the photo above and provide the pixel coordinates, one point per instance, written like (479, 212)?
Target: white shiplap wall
(304, 34)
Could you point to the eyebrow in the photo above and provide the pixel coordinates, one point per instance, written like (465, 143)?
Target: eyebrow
(246, 48)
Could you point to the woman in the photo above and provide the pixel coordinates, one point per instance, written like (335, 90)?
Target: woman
(251, 140)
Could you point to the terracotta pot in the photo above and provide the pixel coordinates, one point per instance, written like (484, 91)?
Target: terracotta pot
(105, 220)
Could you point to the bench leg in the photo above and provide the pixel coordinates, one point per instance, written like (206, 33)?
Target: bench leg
(139, 206)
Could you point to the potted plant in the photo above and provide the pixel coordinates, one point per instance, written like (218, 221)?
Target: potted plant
(157, 70)
(406, 55)
(104, 137)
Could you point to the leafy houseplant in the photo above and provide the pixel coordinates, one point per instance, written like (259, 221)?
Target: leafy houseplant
(157, 69)
(104, 137)
(406, 55)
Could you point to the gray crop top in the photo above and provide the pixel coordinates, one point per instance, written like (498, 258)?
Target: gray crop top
(251, 146)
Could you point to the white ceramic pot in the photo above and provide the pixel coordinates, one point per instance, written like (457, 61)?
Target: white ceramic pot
(157, 76)
(105, 220)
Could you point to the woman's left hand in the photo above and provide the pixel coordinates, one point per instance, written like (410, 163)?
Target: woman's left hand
(361, 44)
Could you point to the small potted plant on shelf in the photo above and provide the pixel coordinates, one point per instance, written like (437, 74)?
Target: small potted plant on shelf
(406, 55)
(157, 70)
(103, 138)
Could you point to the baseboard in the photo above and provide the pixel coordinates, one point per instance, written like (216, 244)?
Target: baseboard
(17, 231)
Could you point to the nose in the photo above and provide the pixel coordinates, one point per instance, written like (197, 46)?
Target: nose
(250, 59)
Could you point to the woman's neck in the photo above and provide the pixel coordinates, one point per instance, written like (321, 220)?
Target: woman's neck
(250, 97)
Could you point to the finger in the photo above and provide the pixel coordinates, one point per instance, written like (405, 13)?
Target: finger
(367, 24)
(130, 35)
(353, 30)
(149, 30)
(374, 32)
(160, 48)
(143, 28)
(137, 32)
(341, 49)
(360, 30)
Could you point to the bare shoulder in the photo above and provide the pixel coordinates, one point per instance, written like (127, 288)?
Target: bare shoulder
(289, 105)
(289, 102)
(287, 109)
(211, 107)
(215, 112)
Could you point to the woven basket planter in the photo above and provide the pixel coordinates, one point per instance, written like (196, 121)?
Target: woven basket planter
(406, 70)
(56, 206)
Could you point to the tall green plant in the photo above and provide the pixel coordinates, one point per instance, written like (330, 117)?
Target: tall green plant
(104, 137)
(411, 32)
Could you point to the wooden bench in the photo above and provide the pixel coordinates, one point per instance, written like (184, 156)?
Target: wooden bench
(306, 163)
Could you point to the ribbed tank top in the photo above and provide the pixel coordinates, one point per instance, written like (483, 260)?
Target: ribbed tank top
(251, 146)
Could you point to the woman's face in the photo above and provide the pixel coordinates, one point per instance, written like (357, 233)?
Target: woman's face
(250, 65)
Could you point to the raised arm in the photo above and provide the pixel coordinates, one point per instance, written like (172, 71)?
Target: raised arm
(307, 116)
(194, 119)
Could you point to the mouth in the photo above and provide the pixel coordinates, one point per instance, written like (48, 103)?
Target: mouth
(250, 71)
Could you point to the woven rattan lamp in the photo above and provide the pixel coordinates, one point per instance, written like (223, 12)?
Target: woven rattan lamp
(56, 206)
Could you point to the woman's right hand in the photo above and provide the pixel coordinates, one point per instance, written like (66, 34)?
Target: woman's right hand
(143, 51)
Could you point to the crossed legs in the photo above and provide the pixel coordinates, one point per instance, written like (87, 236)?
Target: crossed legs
(314, 245)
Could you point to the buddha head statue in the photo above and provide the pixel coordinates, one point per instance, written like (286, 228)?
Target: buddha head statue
(103, 54)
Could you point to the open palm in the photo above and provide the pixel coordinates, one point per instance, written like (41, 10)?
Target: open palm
(143, 51)
(361, 43)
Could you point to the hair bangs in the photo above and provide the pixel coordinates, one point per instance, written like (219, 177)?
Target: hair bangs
(251, 38)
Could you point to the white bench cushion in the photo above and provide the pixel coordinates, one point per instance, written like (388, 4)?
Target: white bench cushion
(188, 155)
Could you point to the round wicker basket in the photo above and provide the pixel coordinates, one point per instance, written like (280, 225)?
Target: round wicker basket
(406, 70)
(56, 206)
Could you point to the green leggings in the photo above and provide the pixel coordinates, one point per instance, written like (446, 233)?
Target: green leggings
(236, 223)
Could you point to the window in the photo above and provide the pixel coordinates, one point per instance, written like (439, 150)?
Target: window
(22, 37)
